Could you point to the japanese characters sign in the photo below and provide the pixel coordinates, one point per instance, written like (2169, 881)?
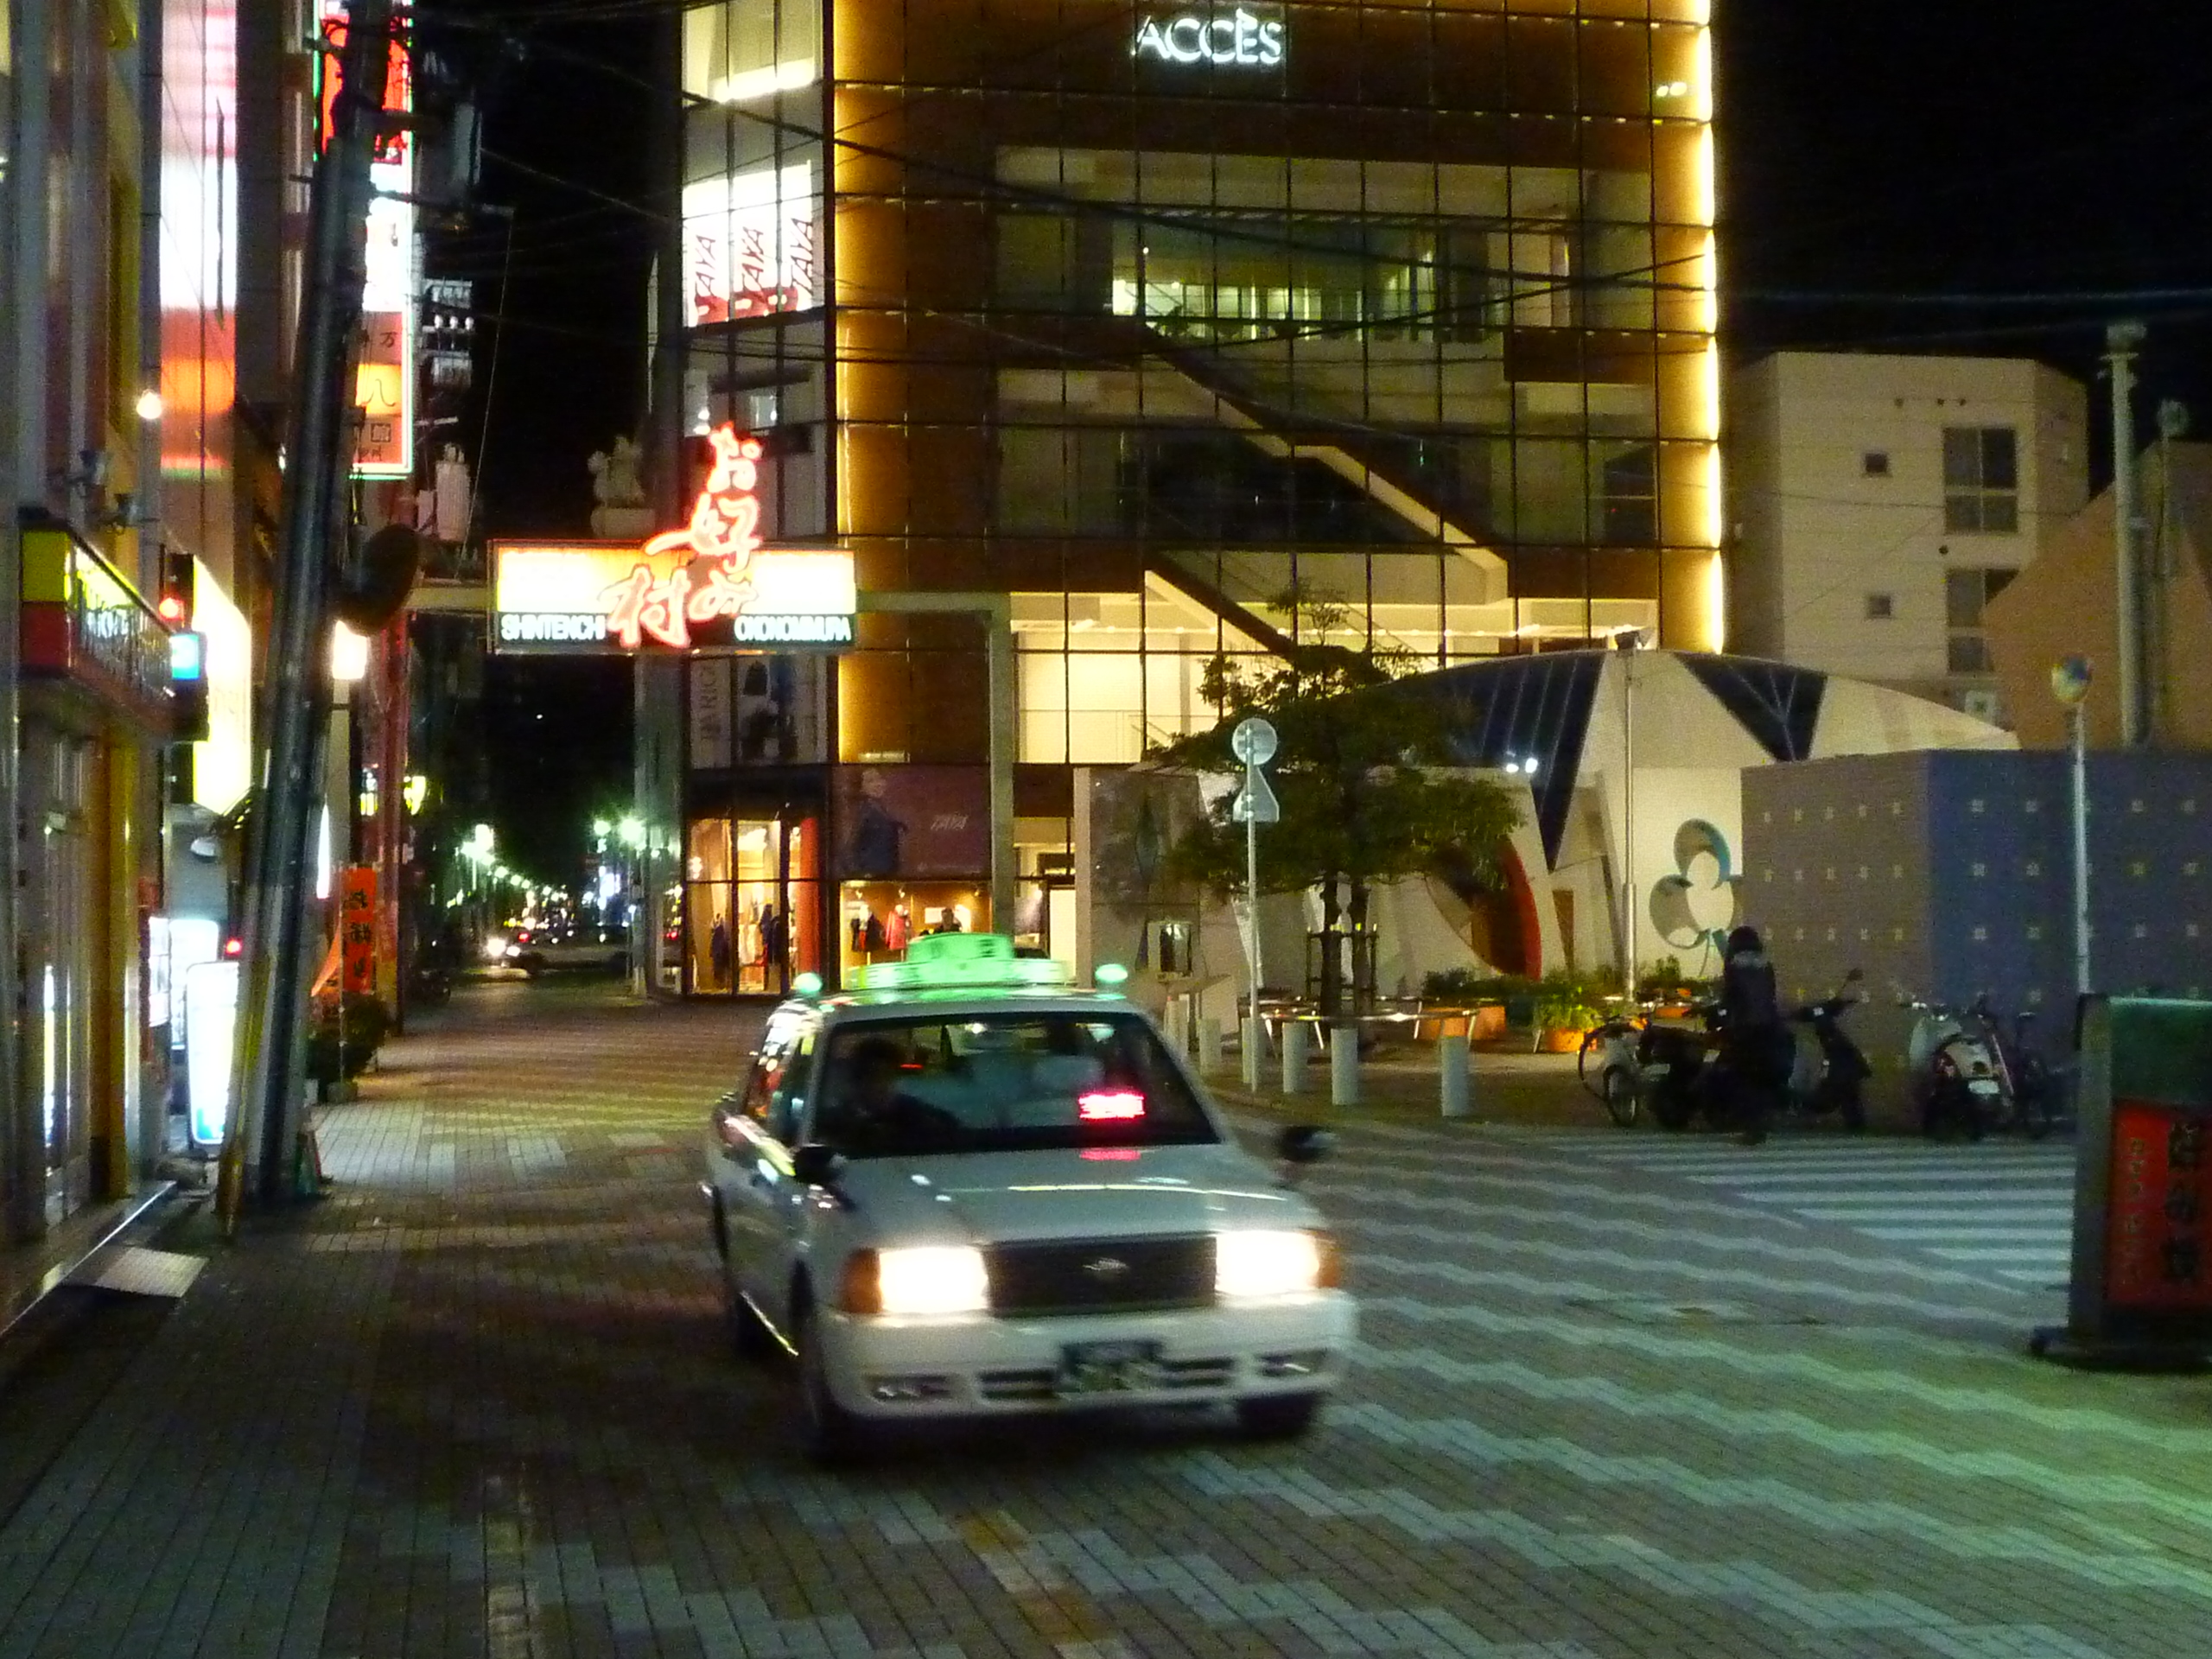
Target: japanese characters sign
(356, 930)
(385, 388)
(711, 584)
(2156, 1256)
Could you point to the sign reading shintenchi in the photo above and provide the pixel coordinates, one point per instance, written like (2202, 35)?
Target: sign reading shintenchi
(711, 584)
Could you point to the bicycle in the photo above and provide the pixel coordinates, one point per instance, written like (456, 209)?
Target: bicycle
(1615, 1042)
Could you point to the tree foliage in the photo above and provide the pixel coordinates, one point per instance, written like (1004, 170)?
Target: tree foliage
(1361, 772)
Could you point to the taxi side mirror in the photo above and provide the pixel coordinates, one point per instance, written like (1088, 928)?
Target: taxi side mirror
(1304, 1143)
(817, 1164)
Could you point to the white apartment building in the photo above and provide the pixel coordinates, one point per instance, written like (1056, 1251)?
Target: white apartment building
(1878, 502)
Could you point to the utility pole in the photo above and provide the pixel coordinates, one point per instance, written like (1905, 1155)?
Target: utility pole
(2121, 340)
(655, 685)
(295, 692)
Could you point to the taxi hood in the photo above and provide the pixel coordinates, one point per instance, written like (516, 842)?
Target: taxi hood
(1100, 1192)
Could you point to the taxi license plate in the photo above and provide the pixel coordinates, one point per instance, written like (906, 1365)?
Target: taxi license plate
(1107, 1367)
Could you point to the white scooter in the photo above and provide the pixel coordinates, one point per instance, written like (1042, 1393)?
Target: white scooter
(1958, 1080)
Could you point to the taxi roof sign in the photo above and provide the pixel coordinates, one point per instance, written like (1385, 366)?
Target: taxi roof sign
(961, 961)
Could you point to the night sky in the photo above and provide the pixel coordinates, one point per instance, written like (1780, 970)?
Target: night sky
(1911, 149)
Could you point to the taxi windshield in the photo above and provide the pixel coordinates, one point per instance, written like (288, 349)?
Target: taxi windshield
(1011, 1082)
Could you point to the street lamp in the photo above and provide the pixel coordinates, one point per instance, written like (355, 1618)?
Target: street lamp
(2069, 683)
(634, 833)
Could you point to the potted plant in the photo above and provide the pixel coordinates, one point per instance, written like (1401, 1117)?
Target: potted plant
(342, 1045)
(1565, 1007)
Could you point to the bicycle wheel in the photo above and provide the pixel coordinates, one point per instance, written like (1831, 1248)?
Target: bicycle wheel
(2034, 1104)
(1594, 1041)
(1621, 1102)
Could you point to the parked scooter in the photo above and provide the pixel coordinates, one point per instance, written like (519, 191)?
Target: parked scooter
(1957, 1077)
(1646, 1063)
(2030, 1087)
(1830, 1075)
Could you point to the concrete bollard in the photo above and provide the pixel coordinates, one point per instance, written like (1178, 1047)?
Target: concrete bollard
(1344, 1066)
(1253, 1046)
(1209, 1048)
(1293, 1058)
(1454, 1077)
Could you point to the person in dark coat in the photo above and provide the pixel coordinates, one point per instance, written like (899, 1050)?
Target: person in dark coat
(1755, 1043)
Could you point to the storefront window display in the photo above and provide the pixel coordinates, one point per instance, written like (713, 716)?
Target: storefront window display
(751, 920)
(877, 920)
(913, 848)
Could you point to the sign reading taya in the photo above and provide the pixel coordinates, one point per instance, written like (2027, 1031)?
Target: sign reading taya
(1240, 37)
(710, 584)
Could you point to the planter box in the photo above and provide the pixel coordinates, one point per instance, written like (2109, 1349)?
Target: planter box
(1559, 1041)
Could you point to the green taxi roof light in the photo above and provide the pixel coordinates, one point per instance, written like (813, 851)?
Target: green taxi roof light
(953, 961)
(1110, 974)
(807, 985)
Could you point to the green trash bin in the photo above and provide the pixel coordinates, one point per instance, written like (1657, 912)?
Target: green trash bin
(2141, 1292)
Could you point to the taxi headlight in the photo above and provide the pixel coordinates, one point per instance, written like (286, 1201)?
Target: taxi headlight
(918, 1279)
(1267, 1263)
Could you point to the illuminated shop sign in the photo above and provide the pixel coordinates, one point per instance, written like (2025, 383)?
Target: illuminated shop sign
(710, 584)
(83, 621)
(1241, 37)
(385, 381)
(749, 243)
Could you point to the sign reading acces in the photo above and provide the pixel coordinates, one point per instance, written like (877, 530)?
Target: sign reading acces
(710, 584)
(1229, 37)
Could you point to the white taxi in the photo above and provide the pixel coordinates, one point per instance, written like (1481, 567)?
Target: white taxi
(969, 1188)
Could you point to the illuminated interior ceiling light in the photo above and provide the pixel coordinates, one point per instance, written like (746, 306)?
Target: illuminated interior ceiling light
(788, 76)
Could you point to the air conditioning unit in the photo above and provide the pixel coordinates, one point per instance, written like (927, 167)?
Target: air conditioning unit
(1982, 705)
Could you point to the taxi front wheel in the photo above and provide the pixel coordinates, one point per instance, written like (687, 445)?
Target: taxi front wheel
(748, 1334)
(832, 1435)
(1278, 1416)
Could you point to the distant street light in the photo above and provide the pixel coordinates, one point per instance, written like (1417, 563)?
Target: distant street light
(634, 833)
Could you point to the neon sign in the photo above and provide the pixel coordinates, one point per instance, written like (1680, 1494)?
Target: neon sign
(713, 583)
(1242, 38)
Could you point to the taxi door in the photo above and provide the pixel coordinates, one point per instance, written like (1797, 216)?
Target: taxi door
(755, 1127)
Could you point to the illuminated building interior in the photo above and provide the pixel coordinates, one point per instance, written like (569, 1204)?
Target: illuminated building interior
(1156, 321)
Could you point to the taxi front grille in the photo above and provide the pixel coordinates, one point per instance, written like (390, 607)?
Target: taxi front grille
(1101, 1275)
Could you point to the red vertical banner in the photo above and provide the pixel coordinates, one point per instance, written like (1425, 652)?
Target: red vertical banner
(357, 929)
(2157, 1254)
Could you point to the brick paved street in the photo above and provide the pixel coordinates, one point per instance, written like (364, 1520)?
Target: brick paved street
(1619, 1396)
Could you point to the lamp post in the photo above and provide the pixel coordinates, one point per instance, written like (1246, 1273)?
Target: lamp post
(635, 872)
(1254, 742)
(2069, 683)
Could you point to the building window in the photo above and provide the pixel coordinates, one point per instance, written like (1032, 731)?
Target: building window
(1881, 607)
(1875, 463)
(1981, 480)
(1966, 594)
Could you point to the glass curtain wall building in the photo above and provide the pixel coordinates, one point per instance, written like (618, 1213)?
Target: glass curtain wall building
(1161, 317)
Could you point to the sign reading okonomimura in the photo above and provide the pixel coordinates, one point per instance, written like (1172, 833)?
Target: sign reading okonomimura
(711, 584)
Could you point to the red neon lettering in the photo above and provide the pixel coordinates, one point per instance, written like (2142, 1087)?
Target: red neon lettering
(1109, 1106)
(638, 606)
(726, 519)
(717, 596)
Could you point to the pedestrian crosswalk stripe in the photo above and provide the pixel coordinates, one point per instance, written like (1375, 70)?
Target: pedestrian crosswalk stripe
(1876, 1209)
(2002, 1212)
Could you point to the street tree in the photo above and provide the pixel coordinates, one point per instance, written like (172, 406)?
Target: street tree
(1369, 788)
